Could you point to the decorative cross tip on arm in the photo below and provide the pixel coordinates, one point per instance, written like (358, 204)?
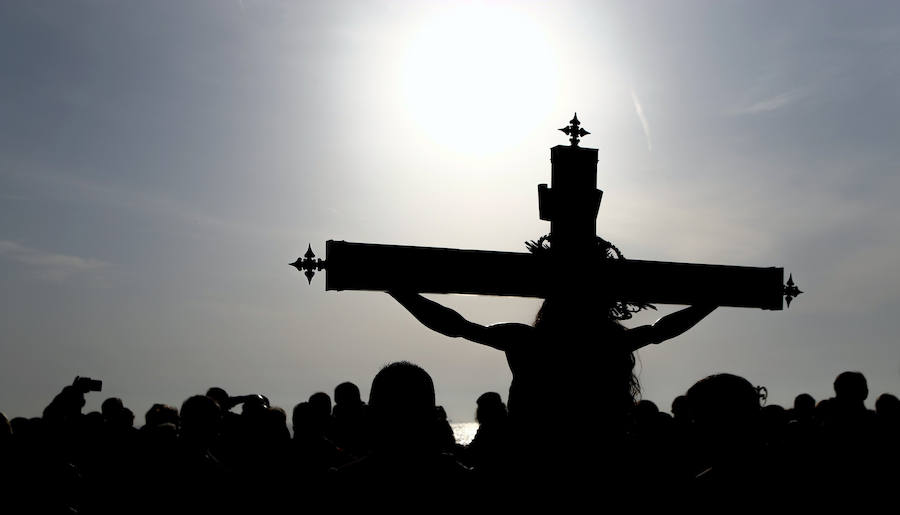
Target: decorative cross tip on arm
(308, 264)
(573, 130)
(791, 291)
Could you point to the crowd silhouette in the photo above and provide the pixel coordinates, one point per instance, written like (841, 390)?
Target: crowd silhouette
(235, 454)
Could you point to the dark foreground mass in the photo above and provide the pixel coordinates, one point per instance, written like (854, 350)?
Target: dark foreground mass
(225, 454)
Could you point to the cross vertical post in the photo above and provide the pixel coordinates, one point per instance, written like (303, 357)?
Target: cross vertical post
(572, 201)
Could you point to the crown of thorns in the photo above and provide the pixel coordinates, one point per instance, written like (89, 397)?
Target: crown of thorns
(620, 309)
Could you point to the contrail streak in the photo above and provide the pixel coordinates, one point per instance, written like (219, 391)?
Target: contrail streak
(640, 113)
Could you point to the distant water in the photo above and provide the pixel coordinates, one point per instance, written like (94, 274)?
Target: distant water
(464, 432)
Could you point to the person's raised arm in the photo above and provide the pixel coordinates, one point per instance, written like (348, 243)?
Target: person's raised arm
(450, 323)
(668, 327)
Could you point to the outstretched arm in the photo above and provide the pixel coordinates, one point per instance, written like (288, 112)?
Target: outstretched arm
(668, 326)
(450, 323)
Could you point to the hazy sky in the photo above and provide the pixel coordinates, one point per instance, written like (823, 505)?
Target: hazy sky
(162, 162)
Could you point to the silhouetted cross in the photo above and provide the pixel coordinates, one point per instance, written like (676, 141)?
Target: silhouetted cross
(572, 262)
(309, 264)
(574, 131)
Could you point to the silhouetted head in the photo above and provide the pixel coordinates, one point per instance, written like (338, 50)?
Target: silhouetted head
(804, 405)
(887, 407)
(774, 416)
(220, 396)
(646, 406)
(490, 408)
(725, 409)
(644, 419)
(645, 411)
(320, 409)
(681, 409)
(254, 405)
(851, 387)
(347, 394)
(402, 405)
(120, 420)
(804, 402)
(161, 414)
(321, 404)
(111, 407)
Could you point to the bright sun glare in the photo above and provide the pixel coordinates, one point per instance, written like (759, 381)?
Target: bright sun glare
(473, 62)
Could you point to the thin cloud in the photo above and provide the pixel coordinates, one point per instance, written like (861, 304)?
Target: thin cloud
(639, 109)
(768, 104)
(50, 265)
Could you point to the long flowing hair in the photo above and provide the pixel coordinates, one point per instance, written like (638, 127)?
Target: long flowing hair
(610, 312)
(556, 314)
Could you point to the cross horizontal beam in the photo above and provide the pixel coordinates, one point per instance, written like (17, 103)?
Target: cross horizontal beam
(372, 267)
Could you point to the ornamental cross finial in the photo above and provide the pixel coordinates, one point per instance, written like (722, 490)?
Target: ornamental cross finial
(574, 131)
(791, 291)
(308, 264)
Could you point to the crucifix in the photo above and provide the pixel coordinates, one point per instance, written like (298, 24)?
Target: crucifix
(571, 256)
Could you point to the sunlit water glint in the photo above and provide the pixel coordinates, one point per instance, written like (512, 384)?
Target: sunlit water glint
(464, 432)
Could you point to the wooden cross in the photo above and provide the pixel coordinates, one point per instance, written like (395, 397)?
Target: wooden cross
(577, 260)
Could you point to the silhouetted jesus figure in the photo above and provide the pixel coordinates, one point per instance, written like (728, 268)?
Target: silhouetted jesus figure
(572, 369)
